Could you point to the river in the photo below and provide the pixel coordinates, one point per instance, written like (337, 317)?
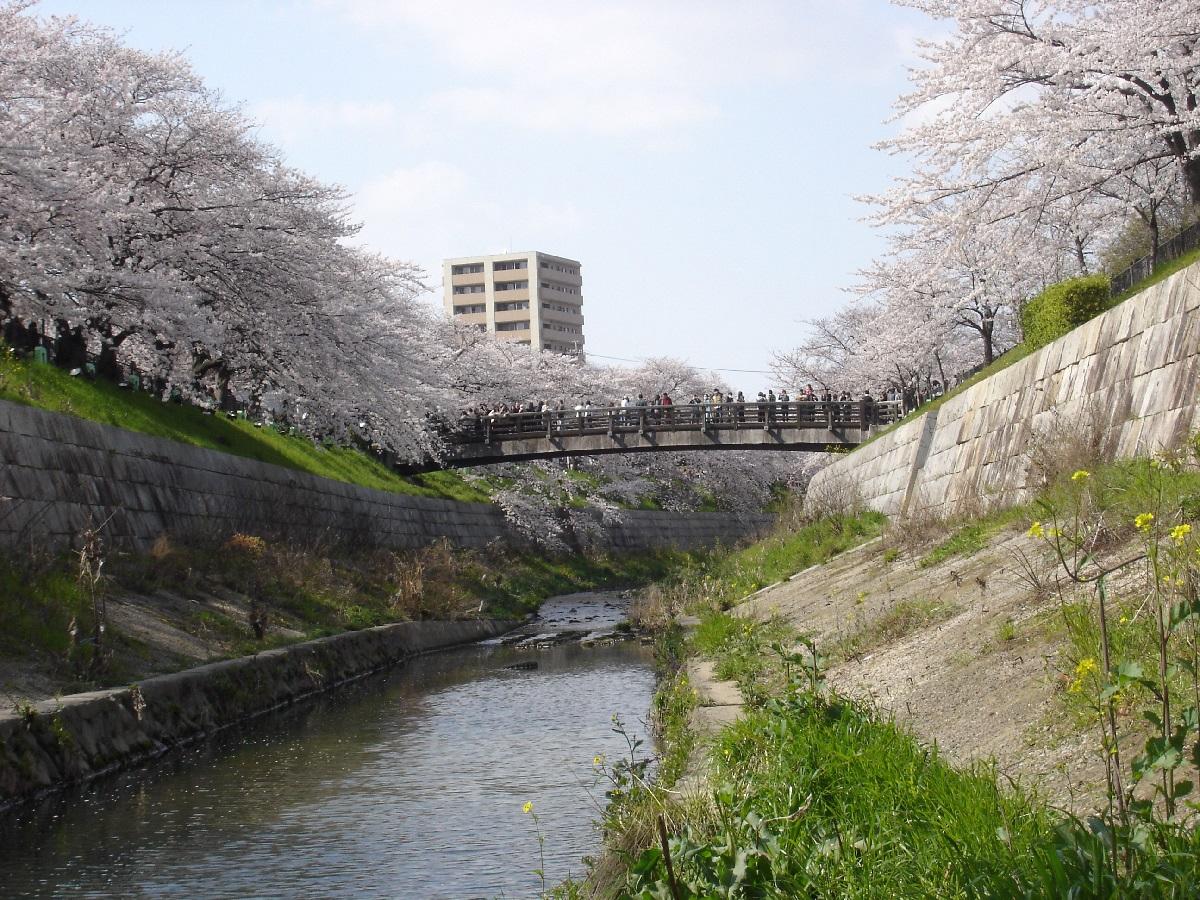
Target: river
(408, 784)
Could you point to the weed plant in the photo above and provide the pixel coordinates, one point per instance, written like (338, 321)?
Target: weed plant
(719, 579)
(1135, 647)
(897, 621)
(286, 590)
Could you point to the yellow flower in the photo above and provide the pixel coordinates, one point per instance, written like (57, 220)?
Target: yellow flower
(1124, 620)
(1080, 474)
(597, 760)
(1086, 667)
(1180, 532)
(528, 807)
(1142, 522)
(1036, 530)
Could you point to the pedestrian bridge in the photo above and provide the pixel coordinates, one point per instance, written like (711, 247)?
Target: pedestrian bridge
(813, 426)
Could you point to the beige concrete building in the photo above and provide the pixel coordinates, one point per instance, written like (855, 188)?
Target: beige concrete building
(531, 298)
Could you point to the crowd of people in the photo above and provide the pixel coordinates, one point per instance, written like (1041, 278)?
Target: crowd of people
(710, 408)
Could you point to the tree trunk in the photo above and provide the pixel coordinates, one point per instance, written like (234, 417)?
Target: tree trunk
(989, 349)
(1155, 235)
(1191, 177)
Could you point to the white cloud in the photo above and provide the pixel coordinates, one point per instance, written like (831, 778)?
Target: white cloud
(621, 67)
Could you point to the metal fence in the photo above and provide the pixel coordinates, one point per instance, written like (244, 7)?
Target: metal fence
(1188, 239)
(831, 416)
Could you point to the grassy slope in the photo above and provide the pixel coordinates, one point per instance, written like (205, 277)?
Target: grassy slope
(818, 795)
(48, 387)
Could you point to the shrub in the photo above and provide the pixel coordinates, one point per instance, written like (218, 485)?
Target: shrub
(1064, 306)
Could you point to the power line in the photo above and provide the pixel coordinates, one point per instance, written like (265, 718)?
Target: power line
(709, 368)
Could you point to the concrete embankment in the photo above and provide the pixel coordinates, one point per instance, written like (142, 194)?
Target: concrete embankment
(1130, 375)
(60, 474)
(72, 739)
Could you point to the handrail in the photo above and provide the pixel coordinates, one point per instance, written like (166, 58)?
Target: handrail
(1140, 269)
(709, 416)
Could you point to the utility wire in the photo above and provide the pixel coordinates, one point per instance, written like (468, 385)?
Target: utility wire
(710, 368)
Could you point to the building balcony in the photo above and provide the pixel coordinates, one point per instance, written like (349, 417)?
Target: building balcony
(562, 318)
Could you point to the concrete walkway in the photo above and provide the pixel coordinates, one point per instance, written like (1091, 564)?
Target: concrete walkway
(719, 703)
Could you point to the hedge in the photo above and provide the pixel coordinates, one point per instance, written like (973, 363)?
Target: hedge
(1064, 306)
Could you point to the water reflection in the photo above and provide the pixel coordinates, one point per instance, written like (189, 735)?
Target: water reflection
(406, 785)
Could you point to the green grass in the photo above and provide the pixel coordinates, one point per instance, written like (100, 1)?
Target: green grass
(821, 797)
(972, 537)
(722, 578)
(740, 648)
(1164, 271)
(897, 621)
(36, 607)
(48, 387)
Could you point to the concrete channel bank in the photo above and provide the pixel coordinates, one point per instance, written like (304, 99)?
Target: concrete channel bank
(77, 737)
(1130, 375)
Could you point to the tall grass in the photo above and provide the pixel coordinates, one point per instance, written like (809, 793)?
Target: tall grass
(821, 798)
(721, 578)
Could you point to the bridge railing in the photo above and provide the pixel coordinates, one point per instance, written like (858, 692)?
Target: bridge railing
(834, 416)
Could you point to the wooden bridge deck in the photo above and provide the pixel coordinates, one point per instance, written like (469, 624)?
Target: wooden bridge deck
(798, 425)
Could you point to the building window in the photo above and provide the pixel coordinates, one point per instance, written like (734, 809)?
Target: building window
(511, 285)
(468, 289)
(559, 307)
(468, 309)
(509, 265)
(513, 326)
(511, 305)
(555, 267)
(567, 329)
(467, 269)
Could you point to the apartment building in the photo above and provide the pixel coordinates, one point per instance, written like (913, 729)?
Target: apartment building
(530, 298)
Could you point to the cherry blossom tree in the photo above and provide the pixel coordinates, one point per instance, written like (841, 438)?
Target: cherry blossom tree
(1062, 95)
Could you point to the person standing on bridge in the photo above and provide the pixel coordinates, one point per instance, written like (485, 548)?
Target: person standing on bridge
(784, 400)
(741, 407)
(667, 403)
(771, 401)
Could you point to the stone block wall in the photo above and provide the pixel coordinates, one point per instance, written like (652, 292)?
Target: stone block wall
(1132, 373)
(648, 529)
(58, 473)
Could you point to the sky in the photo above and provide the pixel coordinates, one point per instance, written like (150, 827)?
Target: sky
(700, 158)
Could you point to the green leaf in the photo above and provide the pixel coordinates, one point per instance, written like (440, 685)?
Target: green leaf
(1129, 670)
(739, 867)
(1153, 718)
(1183, 788)
(1182, 611)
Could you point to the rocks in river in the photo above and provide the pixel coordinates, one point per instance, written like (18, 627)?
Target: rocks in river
(523, 666)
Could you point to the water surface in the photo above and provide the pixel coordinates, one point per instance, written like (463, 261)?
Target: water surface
(409, 784)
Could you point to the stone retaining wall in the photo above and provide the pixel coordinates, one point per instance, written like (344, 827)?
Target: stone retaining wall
(80, 736)
(58, 473)
(1132, 373)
